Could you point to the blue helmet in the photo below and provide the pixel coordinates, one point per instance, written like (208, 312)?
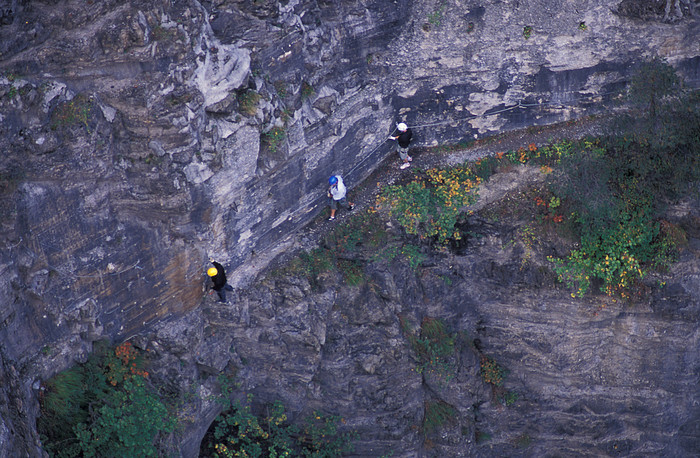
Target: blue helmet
(332, 180)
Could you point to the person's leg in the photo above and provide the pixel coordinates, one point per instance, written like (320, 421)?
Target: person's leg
(403, 154)
(334, 206)
(345, 204)
(222, 295)
(227, 287)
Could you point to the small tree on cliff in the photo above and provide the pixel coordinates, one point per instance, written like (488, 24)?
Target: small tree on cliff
(654, 81)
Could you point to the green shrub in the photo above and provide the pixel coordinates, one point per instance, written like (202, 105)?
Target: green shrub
(286, 115)
(653, 81)
(434, 347)
(435, 18)
(547, 154)
(613, 253)
(64, 404)
(616, 187)
(307, 90)
(508, 398)
(437, 414)
(248, 102)
(127, 424)
(671, 238)
(73, 112)
(388, 254)
(485, 167)
(239, 432)
(429, 206)
(104, 407)
(523, 440)
(274, 137)
(319, 437)
(281, 89)
(353, 271)
(311, 264)
(413, 255)
(662, 153)
(586, 185)
(317, 261)
(363, 230)
(491, 372)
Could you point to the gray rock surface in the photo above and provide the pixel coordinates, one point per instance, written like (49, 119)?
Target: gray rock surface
(132, 152)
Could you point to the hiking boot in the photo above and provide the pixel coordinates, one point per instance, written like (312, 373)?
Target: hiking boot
(351, 207)
(409, 158)
(331, 218)
(405, 165)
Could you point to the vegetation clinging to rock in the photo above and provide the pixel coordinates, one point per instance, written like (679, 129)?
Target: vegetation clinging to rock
(239, 432)
(646, 162)
(611, 187)
(105, 407)
(430, 204)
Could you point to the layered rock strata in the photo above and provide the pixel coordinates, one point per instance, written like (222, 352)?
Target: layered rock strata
(140, 138)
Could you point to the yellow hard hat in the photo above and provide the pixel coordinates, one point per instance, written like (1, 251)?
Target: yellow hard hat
(212, 271)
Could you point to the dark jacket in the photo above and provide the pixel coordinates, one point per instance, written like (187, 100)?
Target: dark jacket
(404, 137)
(220, 278)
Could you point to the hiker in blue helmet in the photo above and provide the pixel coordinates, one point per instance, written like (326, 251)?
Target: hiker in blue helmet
(336, 195)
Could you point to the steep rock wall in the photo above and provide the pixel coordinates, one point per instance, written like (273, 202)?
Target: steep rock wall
(129, 156)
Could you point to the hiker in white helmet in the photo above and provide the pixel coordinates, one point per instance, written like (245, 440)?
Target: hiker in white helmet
(403, 134)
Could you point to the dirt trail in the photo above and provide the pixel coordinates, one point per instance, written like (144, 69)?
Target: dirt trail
(424, 158)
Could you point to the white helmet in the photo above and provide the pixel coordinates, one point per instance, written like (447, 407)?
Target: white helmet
(402, 127)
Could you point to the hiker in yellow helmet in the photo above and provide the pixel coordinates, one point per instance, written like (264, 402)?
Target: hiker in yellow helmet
(218, 276)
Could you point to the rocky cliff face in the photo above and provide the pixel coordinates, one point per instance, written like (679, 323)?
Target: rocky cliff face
(140, 138)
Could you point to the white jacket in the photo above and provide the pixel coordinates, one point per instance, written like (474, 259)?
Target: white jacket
(338, 191)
